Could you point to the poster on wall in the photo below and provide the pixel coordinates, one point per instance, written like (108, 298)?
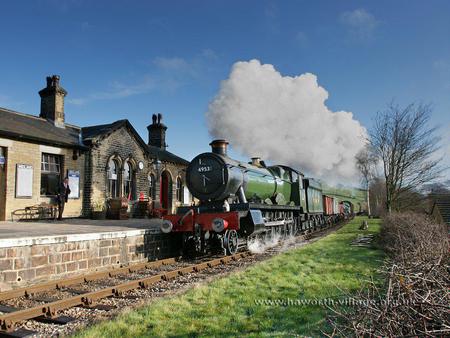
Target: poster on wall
(74, 183)
(24, 180)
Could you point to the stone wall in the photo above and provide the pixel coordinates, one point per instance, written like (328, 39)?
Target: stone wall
(122, 145)
(77, 254)
(30, 153)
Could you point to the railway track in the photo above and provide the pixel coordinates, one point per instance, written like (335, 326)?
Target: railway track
(44, 303)
(47, 309)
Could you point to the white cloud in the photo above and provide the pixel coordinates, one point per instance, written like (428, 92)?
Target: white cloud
(209, 54)
(7, 102)
(169, 74)
(360, 23)
(441, 65)
(301, 38)
(85, 26)
(285, 120)
(171, 63)
(272, 17)
(117, 90)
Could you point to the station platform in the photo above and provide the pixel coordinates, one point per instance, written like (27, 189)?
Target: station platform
(47, 232)
(41, 250)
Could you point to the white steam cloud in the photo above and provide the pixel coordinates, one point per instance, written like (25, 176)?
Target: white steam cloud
(285, 120)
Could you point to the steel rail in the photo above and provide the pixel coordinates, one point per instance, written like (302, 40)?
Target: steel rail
(49, 310)
(57, 284)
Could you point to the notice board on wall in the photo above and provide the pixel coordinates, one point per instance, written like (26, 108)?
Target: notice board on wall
(24, 180)
(74, 183)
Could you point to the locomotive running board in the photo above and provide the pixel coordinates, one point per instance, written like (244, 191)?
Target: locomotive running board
(276, 223)
(260, 206)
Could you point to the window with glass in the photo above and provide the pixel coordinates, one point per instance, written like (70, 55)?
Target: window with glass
(179, 190)
(152, 186)
(128, 184)
(50, 174)
(113, 178)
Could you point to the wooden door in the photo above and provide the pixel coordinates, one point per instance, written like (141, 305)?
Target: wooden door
(166, 189)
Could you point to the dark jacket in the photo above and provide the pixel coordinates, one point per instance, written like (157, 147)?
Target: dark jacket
(63, 193)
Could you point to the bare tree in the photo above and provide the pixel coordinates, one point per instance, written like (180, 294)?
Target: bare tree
(406, 146)
(378, 196)
(366, 163)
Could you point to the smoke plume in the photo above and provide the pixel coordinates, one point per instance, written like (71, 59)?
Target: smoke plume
(285, 120)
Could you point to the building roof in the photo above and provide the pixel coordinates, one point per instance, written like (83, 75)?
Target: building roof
(442, 202)
(97, 132)
(34, 129)
(93, 132)
(165, 156)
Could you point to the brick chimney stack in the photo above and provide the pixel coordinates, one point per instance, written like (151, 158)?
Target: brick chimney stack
(157, 132)
(52, 101)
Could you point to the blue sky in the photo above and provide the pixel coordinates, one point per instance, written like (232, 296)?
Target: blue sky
(131, 59)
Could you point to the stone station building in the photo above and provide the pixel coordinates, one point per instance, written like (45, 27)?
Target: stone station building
(37, 152)
(103, 162)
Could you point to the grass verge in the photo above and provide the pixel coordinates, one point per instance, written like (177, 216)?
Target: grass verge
(262, 300)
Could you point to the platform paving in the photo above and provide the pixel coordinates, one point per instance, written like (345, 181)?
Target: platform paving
(31, 252)
(42, 232)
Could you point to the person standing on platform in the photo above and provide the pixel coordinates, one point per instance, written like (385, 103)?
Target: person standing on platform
(63, 195)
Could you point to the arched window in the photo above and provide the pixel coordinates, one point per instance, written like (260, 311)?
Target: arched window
(152, 186)
(113, 186)
(179, 190)
(128, 181)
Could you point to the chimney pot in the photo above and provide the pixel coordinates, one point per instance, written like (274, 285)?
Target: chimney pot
(55, 80)
(219, 147)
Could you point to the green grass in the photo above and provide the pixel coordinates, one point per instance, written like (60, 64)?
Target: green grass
(226, 307)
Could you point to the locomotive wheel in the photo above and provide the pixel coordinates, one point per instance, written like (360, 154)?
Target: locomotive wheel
(230, 242)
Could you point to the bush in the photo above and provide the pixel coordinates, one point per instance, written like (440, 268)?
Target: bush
(414, 299)
(409, 238)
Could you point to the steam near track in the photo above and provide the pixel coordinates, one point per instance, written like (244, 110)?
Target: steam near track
(259, 245)
(285, 119)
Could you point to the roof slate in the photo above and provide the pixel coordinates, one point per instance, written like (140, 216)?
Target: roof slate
(97, 132)
(35, 129)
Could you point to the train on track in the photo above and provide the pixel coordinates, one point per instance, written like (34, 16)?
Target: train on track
(240, 201)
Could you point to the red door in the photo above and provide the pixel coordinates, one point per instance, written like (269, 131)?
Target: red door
(166, 186)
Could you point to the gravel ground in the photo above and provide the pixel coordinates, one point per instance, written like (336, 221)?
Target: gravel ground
(139, 297)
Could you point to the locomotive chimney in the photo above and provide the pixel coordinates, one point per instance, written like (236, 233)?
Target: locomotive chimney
(256, 161)
(219, 147)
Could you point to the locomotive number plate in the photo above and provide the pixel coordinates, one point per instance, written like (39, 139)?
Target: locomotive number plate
(204, 169)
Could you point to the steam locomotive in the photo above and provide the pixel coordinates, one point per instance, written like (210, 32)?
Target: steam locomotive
(239, 201)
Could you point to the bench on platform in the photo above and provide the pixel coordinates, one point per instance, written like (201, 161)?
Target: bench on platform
(36, 212)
